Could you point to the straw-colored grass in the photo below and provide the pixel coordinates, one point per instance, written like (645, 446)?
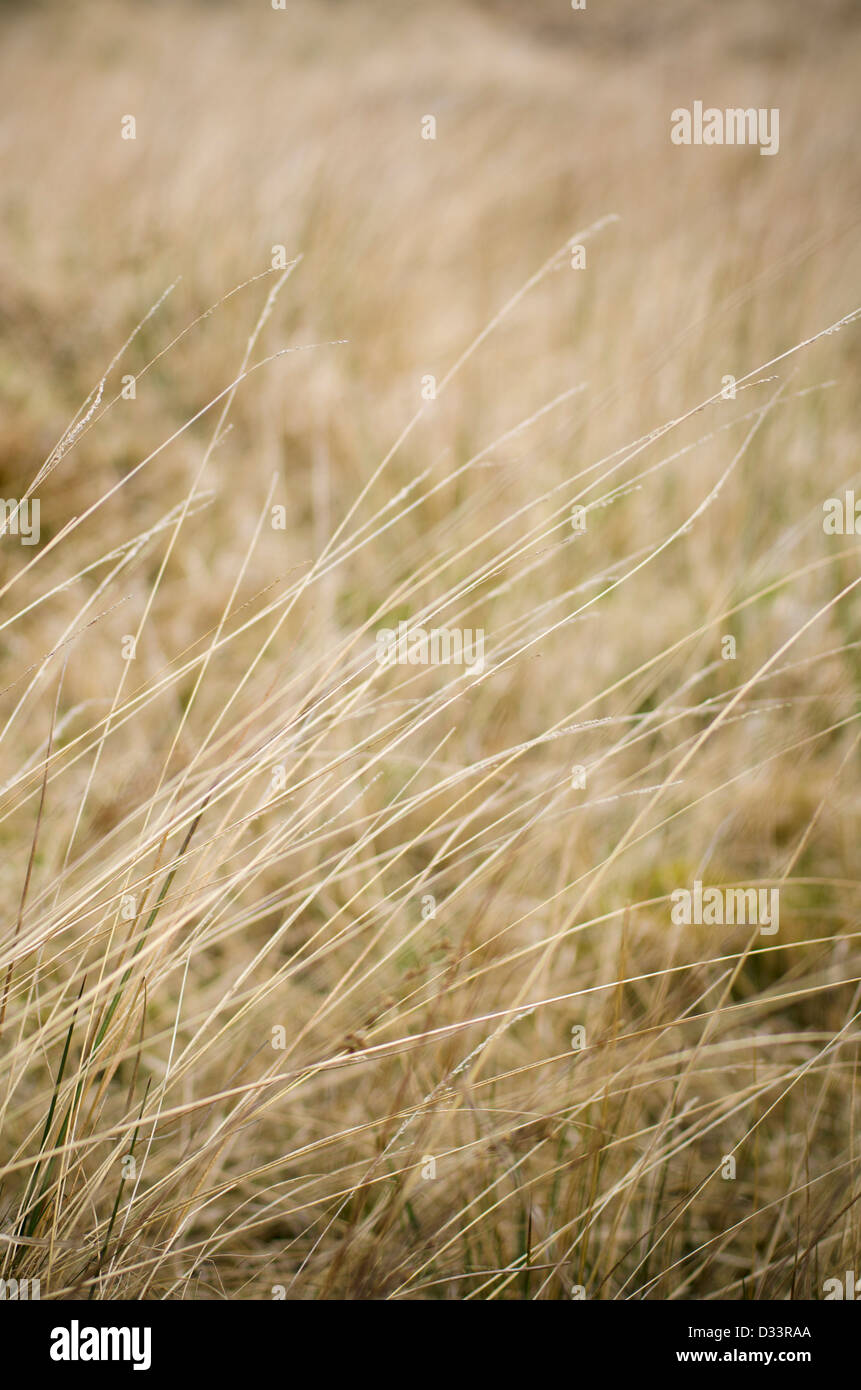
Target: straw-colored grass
(294, 942)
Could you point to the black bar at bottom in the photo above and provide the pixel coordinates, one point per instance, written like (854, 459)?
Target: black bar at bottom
(253, 1339)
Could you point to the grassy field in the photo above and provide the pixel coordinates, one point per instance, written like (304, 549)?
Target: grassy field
(329, 978)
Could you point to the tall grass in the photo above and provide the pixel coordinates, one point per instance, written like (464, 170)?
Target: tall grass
(296, 943)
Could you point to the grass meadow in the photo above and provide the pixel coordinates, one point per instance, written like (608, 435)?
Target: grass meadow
(327, 978)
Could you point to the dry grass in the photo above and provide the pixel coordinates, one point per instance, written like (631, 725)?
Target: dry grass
(244, 827)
